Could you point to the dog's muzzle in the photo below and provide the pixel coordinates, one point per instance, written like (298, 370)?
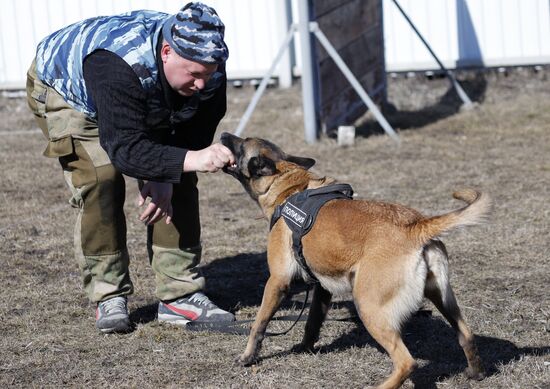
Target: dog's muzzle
(231, 169)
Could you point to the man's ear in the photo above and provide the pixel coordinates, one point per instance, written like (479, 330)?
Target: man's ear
(165, 51)
(261, 166)
(306, 163)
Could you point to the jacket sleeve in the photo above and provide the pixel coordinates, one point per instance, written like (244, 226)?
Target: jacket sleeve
(121, 114)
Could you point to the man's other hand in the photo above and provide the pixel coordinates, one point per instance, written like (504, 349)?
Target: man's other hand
(160, 205)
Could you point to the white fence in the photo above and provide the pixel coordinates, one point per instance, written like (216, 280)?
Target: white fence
(467, 33)
(254, 31)
(461, 32)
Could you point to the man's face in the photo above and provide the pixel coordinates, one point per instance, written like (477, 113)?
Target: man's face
(184, 76)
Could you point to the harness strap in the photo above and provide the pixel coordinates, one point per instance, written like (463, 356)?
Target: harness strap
(344, 189)
(300, 211)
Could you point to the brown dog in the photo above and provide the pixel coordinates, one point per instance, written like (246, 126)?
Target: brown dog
(386, 254)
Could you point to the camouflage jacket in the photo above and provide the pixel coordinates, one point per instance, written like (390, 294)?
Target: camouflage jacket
(133, 36)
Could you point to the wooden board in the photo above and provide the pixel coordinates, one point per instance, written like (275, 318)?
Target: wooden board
(354, 28)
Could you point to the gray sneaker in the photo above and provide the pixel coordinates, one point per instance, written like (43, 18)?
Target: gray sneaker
(196, 308)
(112, 315)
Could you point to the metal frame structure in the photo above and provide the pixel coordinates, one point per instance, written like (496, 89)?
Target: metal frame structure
(463, 96)
(306, 27)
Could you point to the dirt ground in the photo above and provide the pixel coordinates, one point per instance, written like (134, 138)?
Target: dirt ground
(500, 271)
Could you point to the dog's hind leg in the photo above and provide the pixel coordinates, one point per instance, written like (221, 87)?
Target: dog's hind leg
(320, 305)
(438, 290)
(381, 329)
(382, 309)
(274, 292)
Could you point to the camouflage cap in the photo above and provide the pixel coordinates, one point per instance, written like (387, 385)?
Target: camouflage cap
(196, 33)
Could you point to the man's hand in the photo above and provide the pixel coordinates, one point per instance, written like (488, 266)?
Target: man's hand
(160, 205)
(210, 159)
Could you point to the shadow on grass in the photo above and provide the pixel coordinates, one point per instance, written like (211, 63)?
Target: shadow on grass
(449, 104)
(433, 340)
(235, 282)
(239, 281)
(231, 283)
(144, 314)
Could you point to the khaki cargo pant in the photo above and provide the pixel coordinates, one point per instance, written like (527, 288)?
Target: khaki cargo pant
(98, 191)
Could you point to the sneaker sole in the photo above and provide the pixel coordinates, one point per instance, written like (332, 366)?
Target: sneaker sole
(171, 319)
(116, 329)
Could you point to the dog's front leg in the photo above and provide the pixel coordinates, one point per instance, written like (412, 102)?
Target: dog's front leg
(274, 292)
(317, 313)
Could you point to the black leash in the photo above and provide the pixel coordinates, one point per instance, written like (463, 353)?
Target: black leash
(240, 327)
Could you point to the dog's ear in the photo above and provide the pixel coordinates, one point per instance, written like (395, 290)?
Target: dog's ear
(306, 163)
(261, 166)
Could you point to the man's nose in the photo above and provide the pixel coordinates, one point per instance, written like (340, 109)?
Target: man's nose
(200, 83)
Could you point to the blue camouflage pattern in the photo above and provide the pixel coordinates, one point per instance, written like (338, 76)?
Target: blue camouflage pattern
(132, 36)
(196, 32)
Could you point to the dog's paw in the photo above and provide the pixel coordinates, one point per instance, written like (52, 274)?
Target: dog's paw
(475, 374)
(302, 348)
(246, 360)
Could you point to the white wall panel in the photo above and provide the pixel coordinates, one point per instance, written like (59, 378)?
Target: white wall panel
(467, 33)
(461, 32)
(254, 30)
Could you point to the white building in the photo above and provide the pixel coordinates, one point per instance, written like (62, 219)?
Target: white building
(461, 32)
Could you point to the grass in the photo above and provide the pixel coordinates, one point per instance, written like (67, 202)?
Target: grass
(500, 271)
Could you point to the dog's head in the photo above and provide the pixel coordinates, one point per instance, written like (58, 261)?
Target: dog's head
(256, 162)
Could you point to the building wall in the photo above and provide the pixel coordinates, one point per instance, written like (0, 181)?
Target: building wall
(254, 31)
(467, 33)
(461, 32)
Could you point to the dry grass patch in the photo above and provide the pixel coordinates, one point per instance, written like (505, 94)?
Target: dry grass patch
(500, 271)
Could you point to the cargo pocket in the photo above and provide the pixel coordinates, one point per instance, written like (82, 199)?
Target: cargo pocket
(38, 95)
(65, 120)
(61, 147)
(37, 103)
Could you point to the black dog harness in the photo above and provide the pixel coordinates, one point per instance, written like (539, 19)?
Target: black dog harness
(299, 212)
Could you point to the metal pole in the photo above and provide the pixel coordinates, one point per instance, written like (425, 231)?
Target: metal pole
(263, 84)
(308, 97)
(463, 96)
(353, 81)
(284, 13)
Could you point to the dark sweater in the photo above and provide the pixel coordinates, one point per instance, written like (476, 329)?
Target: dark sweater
(134, 149)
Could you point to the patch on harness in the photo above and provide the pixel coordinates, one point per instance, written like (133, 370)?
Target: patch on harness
(294, 214)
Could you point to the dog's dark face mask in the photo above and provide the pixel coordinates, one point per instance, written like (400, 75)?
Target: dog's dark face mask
(256, 159)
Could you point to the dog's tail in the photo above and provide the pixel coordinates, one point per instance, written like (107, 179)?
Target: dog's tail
(426, 229)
